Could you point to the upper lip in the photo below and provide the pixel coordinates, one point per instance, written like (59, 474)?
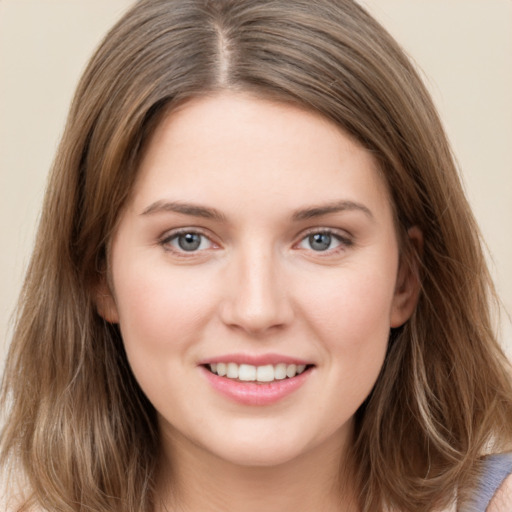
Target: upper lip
(255, 360)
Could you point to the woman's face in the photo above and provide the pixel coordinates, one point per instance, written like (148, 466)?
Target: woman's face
(259, 241)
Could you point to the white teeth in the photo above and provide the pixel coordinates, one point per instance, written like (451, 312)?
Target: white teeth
(232, 372)
(221, 369)
(250, 373)
(291, 370)
(246, 372)
(265, 373)
(280, 371)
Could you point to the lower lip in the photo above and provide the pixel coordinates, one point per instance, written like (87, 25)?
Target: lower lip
(252, 393)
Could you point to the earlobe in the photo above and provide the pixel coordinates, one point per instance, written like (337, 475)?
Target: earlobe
(105, 302)
(408, 282)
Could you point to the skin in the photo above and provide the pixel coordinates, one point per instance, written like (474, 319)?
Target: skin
(256, 285)
(502, 501)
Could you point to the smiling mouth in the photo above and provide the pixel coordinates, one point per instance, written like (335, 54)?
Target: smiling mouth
(258, 374)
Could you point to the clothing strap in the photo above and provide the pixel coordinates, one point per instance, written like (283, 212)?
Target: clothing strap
(496, 469)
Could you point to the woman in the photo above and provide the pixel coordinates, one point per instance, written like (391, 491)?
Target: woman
(257, 282)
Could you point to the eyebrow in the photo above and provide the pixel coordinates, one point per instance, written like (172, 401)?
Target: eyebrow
(185, 209)
(338, 206)
(211, 213)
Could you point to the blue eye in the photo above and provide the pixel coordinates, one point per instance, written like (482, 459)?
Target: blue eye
(189, 241)
(322, 241)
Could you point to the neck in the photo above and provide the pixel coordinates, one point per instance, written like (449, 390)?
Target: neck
(314, 481)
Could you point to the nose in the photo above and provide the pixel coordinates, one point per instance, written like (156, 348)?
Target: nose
(256, 299)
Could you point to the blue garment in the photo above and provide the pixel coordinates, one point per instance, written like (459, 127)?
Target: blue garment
(496, 469)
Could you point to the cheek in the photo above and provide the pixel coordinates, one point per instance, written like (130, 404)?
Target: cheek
(160, 315)
(354, 325)
(363, 324)
(350, 316)
(353, 310)
(160, 310)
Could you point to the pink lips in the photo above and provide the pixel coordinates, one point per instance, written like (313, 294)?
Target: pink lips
(256, 360)
(252, 393)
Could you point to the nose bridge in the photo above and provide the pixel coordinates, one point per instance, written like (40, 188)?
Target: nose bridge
(257, 299)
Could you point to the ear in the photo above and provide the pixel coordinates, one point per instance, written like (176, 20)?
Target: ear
(408, 282)
(105, 301)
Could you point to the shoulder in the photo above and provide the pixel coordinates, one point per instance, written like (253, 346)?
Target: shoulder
(502, 500)
(494, 491)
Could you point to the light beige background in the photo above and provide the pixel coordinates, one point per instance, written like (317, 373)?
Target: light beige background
(464, 48)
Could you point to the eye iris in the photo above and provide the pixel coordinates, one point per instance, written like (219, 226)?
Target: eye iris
(189, 241)
(320, 241)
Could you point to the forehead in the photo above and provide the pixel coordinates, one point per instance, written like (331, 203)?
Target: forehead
(237, 146)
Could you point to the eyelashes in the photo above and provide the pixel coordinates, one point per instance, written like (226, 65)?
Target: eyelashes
(324, 241)
(187, 241)
(190, 242)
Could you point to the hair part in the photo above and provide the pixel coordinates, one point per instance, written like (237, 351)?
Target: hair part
(80, 428)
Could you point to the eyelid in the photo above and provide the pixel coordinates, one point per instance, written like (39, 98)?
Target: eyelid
(165, 239)
(346, 239)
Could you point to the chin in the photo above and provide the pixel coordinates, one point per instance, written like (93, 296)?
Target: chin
(257, 457)
(265, 448)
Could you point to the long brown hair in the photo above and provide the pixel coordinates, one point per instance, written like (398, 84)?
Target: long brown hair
(78, 426)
